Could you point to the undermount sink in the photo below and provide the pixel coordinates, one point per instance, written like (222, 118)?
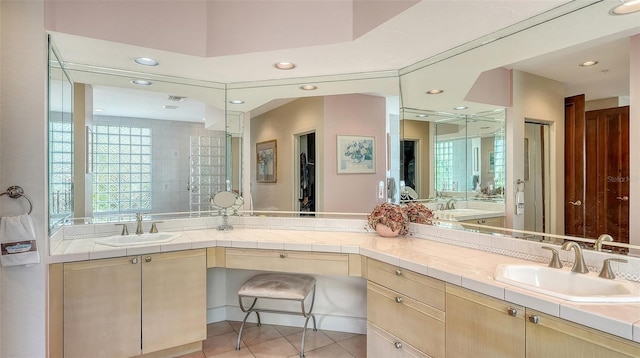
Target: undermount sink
(567, 285)
(142, 239)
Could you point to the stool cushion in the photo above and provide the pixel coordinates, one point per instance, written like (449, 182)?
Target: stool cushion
(278, 285)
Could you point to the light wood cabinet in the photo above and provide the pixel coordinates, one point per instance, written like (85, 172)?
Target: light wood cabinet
(549, 337)
(388, 346)
(320, 263)
(128, 306)
(174, 294)
(102, 308)
(409, 306)
(482, 326)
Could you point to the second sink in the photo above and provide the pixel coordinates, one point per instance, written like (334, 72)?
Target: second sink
(567, 285)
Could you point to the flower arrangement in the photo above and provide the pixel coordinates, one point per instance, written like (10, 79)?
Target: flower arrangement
(398, 217)
(391, 215)
(418, 213)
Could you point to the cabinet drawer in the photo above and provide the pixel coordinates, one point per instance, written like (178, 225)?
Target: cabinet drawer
(381, 343)
(408, 283)
(414, 322)
(288, 261)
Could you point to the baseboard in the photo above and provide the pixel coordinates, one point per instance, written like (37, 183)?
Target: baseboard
(323, 321)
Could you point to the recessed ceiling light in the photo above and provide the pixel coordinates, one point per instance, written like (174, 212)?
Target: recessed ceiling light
(308, 87)
(435, 91)
(98, 109)
(142, 82)
(627, 7)
(421, 115)
(285, 65)
(459, 108)
(204, 119)
(588, 63)
(145, 61)
(236, 101)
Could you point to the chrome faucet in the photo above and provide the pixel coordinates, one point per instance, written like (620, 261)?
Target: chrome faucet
(139, 230)
(598, 244)
(450, 204)
(578, 263)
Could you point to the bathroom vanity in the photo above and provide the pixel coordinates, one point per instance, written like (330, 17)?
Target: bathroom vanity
(426, 294)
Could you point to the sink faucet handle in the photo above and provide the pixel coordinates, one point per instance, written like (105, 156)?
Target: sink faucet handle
(125, 231)
(555, 259)
(606, 271)
(154, 228)
(578, 263)
(602, 238)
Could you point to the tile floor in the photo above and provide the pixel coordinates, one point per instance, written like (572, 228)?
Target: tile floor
(271, 341)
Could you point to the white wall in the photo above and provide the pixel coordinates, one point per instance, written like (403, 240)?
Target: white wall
(542, 100)
(634, 145)
(23, 141)
(340, 305)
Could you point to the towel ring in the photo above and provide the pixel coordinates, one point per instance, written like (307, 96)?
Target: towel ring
(15, 192)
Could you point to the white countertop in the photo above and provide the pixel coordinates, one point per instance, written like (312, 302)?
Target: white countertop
(462, 266)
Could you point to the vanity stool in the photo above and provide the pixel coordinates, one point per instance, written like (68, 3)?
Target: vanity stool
(278, 286)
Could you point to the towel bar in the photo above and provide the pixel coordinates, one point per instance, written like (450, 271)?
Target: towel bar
(15, 192)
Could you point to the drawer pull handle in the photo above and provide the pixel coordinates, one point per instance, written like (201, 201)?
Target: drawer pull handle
(512, 311)
(398, 345)
(399, 299)
(398, 272)
(534, 319)
(282, 255)
(134, 260)
(147, 259)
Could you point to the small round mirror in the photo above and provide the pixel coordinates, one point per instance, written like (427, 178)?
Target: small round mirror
(225, 199)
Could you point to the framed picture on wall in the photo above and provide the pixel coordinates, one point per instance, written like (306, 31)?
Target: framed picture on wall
(266, 162)
(356, 154)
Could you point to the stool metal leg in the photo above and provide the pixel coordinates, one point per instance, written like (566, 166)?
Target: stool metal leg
(249, 311)
(308, 315)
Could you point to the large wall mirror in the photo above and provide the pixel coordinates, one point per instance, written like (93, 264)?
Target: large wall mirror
(508, 125)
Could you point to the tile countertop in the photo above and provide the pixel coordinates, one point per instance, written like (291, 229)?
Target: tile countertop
(462, 266)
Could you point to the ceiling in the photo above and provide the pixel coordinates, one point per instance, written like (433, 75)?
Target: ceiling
(426, 29)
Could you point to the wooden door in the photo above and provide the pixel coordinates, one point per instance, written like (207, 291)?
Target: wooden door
(574, 118)
(596, 171)
(607, 173)
(174, 290)
(102, 308)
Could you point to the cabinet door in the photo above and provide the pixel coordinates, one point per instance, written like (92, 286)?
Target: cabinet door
(482, 326)
(553, 337)
(174, 290)
(102, 308)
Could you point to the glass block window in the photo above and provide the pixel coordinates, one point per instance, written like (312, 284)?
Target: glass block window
(61, 164)
(208, 170)
(122, 169)
(444, 165)
(500, 159)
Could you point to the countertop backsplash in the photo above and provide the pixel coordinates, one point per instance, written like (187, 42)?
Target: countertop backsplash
(519, 248)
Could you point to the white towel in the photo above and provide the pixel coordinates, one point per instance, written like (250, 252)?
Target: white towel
(18, 241)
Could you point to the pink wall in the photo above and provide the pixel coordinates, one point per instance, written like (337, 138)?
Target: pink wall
(282, 124)
(353, 115)
(141, 23)
(328, 117)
